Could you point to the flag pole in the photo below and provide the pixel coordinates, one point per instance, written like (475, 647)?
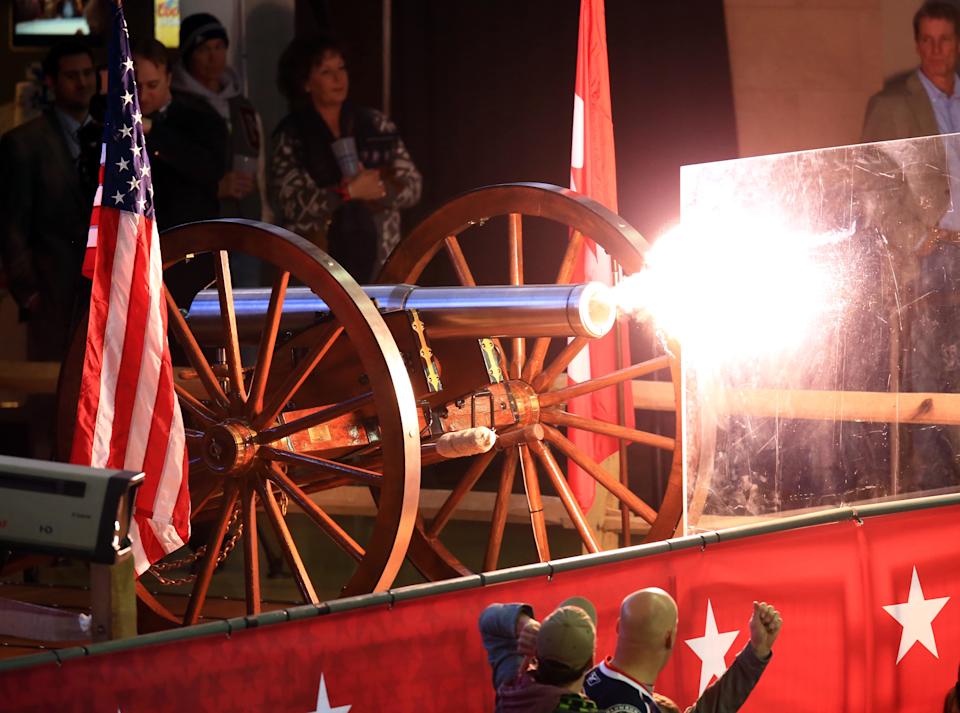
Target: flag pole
(619, 332)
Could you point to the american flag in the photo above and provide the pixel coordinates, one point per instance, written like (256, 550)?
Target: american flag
(128, 416)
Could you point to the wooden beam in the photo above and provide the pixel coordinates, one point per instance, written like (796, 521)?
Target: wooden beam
(653, 395)
(29, 377)
(475, 506)
(865, 406)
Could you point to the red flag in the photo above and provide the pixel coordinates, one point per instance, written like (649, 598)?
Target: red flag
(836, 586)
(128, 416)
(593, 172)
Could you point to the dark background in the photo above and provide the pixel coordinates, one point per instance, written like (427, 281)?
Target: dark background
(483, 91)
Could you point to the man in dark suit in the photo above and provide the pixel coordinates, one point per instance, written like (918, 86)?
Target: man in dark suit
(186, 139)
(48, 177)
(187, 142)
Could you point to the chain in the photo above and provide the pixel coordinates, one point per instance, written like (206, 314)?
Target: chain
(225, 551)
(159, 567)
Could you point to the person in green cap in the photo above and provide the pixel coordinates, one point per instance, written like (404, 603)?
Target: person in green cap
(539, 667)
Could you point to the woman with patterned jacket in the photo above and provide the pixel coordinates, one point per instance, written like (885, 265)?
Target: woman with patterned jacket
(354, 218)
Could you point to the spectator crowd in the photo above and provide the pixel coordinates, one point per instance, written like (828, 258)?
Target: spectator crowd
(333, 172)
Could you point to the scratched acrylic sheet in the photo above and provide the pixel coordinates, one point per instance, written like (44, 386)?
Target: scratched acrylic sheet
(822, 329)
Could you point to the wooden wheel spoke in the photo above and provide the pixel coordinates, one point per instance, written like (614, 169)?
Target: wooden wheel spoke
(336, 533)
(296, 377)
(460, 266)
(193, 407)
(619, 490)
(562, 418)
(569, 261)
(251, 549)
(515, 242)
(545, 378)
(534, 503)
(535, 360)
(501, 509)
(228, 316)
(289, 547)
(564, 275)
(553, 398)
(321, 484)
(315, 419)
(209, 563)
(566, 495)
(361, 476)
(477, 468)
(194, 354)
(268, 342)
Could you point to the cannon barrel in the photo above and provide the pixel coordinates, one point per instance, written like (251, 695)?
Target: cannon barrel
(587, 310)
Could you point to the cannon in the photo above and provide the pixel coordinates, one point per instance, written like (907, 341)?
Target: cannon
(363, 389)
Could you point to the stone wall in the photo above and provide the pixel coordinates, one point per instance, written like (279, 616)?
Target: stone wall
(804, 69)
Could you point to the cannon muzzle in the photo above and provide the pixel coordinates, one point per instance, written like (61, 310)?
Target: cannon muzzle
(584, 310)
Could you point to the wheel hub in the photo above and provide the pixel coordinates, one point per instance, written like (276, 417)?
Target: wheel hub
(229, 447)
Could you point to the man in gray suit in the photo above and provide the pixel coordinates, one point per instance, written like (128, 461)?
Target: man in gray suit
(905, 109)
(918, 215)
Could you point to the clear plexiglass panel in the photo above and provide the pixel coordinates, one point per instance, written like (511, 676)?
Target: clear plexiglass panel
(821, 353)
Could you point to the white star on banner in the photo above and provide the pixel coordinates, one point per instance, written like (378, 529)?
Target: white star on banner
(127, 131)
(916, 616)
(711, 648)
(134, 184)
(122, 164)
(323, 702)
(145, 169)
(136, 117)
(118, 198)
(127, 65)
(127, 98)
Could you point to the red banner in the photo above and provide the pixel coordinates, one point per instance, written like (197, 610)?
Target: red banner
(871, 622)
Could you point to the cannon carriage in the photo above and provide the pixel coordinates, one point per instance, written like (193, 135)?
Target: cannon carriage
(353, 391)
(361, 393)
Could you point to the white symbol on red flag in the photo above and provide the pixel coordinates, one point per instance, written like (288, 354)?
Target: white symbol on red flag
(323, 701)
(916, 616)
(712, 647)
(593, 172)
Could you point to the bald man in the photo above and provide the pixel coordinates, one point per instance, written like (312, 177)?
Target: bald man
(646, 636)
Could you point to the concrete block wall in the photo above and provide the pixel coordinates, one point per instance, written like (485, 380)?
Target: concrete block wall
(804, 69)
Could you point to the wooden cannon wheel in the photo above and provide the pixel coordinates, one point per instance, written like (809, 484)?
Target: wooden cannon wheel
(242, 421)
(441, 237)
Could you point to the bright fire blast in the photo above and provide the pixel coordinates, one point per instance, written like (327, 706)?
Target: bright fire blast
(723, 292)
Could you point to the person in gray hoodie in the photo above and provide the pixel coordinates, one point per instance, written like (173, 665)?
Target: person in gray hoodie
(203, 72)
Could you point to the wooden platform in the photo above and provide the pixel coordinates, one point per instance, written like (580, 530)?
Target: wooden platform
(475, 507)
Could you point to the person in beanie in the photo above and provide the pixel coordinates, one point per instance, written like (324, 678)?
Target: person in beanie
(539, 667)
(203, 71)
